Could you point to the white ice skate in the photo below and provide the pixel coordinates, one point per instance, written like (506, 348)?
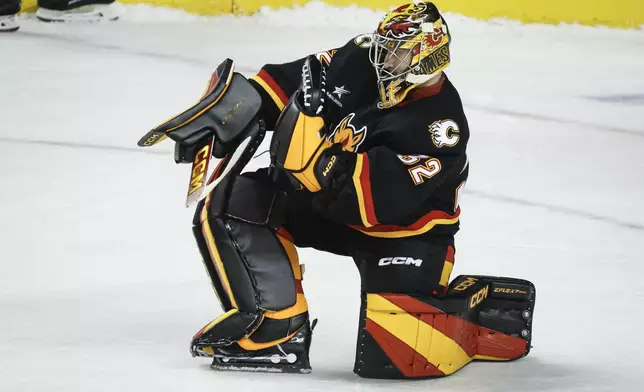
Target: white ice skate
(90, 13)
(9, 23)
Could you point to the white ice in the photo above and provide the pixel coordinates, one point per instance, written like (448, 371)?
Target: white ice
(102, 287)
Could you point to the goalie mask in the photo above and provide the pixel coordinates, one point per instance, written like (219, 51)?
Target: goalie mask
(411, 45)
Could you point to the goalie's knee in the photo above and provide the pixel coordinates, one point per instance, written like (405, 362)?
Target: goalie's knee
(255, 272)
(480, 318)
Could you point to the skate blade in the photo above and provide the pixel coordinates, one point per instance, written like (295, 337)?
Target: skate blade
(85, 14)
(259, 368)
(276, 363)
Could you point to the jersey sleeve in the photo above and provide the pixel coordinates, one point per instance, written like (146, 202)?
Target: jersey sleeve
(276, 83)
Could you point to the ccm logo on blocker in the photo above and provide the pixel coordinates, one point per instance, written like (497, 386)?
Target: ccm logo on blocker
(400, 261)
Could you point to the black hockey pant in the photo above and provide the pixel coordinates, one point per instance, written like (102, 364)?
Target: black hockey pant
(412, 265)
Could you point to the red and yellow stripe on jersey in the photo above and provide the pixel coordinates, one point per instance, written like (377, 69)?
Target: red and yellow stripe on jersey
(370, 225)
(362, 184)
(273, 89)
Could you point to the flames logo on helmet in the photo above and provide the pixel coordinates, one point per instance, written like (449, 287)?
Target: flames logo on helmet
(404, 22)
(434, 39)
(401, 29)
(347, 135)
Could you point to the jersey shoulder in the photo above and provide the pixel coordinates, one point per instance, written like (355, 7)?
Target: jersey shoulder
(434, 124)
(350, 77)
(353, 52)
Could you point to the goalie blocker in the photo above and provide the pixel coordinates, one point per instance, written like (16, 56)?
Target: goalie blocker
(224, 123)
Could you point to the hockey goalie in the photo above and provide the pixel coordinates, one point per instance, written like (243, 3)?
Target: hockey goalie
(367, 160)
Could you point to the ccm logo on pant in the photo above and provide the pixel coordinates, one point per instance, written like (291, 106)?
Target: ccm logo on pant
(400, 261)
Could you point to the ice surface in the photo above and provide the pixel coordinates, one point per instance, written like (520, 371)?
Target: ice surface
(101, 285)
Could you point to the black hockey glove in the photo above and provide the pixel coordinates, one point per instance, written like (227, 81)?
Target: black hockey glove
(313, 89)
(334, 171)
(299, 137)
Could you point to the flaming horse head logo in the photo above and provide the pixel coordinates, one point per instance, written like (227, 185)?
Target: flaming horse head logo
(347, 135)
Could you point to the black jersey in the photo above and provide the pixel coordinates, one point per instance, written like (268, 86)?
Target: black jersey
(411, 159)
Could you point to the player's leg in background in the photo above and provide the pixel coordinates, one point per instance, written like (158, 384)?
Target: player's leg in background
(413, 324)
(9, 15)
(78, 10)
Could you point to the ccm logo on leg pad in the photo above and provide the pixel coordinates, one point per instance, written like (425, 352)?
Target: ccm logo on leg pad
(479, 296)
(400, 261)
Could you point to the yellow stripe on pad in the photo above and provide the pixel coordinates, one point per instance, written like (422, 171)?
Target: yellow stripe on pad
(300, 307)
(219, 320)
(248, 344)
(446, 273)
(214, 254)
(433, 345)
(291, 253)
(488, 358)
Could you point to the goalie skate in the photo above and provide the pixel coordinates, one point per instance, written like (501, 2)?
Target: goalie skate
(289, 357)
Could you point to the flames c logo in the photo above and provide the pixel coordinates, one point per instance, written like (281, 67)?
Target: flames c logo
(347, 135)
(445, 133)
(434, 39)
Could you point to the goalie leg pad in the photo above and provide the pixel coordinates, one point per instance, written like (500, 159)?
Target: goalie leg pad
(479, 318)
(255, 273)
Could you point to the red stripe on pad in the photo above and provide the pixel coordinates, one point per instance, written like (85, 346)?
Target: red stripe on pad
(406, 359)
(410, 304)
(450, 254)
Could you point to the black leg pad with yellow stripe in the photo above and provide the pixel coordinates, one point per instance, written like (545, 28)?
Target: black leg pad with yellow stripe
(479, 318)
(255, 264)
(225, 330)
(255, 273)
